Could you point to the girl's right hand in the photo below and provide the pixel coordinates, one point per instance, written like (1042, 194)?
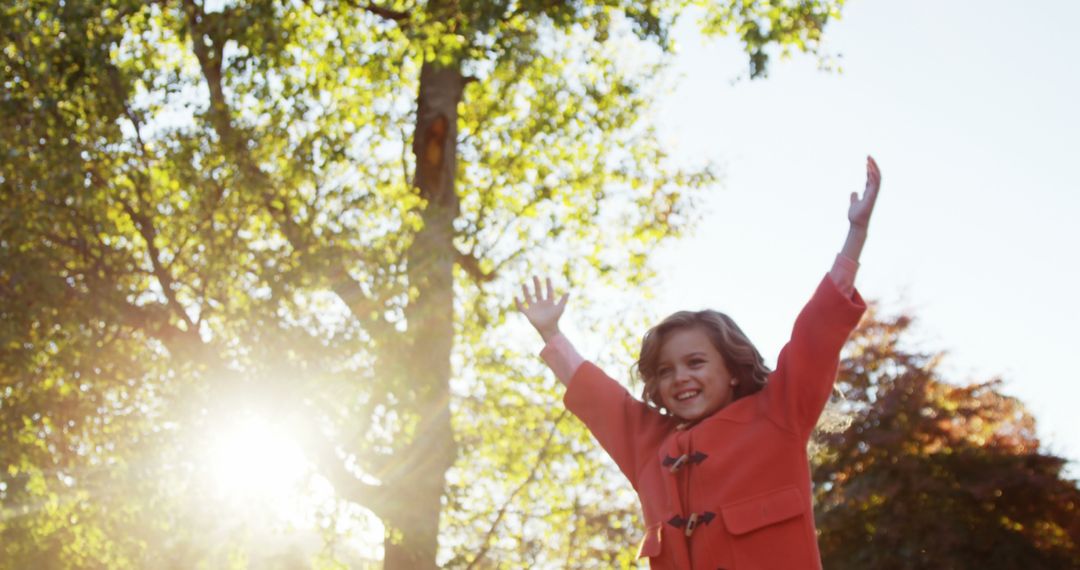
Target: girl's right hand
(541, 309)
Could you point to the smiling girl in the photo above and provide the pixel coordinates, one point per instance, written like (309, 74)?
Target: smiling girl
(717, 449)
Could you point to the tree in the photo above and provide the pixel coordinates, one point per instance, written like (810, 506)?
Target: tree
(934, 475)
(316, 210)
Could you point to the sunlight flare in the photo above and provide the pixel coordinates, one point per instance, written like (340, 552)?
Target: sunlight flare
(254, 460)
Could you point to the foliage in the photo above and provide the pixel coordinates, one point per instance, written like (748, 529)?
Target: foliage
(934, 475)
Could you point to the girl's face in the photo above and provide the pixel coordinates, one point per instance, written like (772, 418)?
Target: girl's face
(693, 379)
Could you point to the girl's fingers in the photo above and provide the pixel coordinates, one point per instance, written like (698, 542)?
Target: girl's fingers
(537, 295)
(562, 302)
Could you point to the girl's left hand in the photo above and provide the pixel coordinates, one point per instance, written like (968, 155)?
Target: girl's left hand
(861, 208)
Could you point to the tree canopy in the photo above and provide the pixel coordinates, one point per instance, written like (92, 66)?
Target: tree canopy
(934, 474)
(314, 214)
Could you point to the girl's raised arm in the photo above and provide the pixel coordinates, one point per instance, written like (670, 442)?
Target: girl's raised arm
(543, 312)
(806, 367)
(847, 263)
(622, 424)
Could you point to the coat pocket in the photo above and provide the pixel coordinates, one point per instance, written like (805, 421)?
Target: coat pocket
(771, 530)
(650, 544)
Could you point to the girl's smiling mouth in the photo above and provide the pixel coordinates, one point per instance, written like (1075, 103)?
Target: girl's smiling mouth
(687, 394)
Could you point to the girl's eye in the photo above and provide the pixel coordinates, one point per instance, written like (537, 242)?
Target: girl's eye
(663, 372)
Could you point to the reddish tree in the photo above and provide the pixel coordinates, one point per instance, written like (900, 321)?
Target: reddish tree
(934, 475)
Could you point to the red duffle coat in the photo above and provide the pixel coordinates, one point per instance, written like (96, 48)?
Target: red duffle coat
(744, 477)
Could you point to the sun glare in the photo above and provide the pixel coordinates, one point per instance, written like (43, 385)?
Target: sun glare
(256, 461)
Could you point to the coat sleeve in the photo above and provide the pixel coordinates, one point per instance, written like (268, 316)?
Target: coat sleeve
(799, 388)
(624, 426)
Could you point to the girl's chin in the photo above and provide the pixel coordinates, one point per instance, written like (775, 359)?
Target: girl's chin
(691, 415)
(694, 413)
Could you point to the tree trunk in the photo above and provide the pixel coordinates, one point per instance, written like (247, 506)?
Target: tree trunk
(412, 535)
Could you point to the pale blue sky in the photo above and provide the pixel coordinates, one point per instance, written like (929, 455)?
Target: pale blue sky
(971, 110)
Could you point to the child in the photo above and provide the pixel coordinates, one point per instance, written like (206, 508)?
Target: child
(717, 450)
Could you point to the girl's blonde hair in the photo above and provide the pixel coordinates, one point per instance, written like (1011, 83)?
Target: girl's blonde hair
(740, 356)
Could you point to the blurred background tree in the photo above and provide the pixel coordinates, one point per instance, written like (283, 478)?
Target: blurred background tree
(930, 474)
(226, 220)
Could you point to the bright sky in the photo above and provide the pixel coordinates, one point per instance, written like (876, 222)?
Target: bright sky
(971, 110)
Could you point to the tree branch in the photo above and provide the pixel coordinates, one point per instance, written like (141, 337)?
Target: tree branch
(344, 286)
(345, 483)
(540, 459)
(471, 265)
(165, 279)
(385, 13)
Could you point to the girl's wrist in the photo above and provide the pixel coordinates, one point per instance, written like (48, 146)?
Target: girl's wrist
(854, 243)
(548, 333)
